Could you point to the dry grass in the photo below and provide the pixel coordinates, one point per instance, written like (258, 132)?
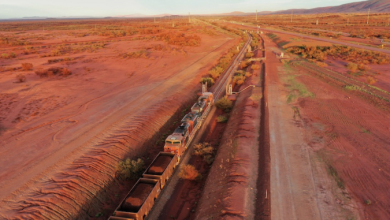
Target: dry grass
(224, 104)
(343, 52)
(188, 172)
(136, 54)
(255, 67)
(61, 71)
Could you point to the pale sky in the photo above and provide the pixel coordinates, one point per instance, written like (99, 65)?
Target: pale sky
(103, 8)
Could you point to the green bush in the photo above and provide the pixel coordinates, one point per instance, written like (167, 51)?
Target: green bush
(206, 151)
(239, 80)
(130, 169)
(209, 80)
(222, 119)
(215, 72)
(224, 104)
(202, 149)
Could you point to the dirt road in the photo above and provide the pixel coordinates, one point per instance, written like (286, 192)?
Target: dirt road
(294, 186)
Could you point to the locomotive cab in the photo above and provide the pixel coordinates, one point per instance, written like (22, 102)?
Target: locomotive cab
(173, 144)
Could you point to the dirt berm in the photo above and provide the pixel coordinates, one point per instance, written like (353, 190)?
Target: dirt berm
(230, 190)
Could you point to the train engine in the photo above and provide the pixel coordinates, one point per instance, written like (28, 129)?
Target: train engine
(176, 142)
(203, 103)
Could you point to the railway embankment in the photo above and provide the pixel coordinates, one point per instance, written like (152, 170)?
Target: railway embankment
(231, 188)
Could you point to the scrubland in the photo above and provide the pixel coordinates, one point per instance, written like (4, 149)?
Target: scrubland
(78, 96)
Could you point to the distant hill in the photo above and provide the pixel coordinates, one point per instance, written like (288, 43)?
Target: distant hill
(233, 13)
(373, 5)
(131, 16)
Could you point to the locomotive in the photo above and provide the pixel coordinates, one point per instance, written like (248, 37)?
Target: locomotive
(178, 141)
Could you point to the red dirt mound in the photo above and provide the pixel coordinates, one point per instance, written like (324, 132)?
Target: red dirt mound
(230, 190)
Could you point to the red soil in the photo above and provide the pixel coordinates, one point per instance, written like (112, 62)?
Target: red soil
(351, 135)
(137, 197)
(62, 136)
(160, 164)
(379, 72)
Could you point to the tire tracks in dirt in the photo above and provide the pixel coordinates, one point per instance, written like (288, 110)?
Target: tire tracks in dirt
(103, 150)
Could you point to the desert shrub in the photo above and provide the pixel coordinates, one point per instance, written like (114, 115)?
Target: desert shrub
(249, 55)
(215, 75)
(207, 80)
(255, 67)
(27, 66)
(247, 74)
(188, 172)
(255, 43)
(320, 53)
(41, 72)
(333, 172)
(180, 39)
(321, 64)
(224, 104)
(363, 67)
(215, 72)
(206, 151)
(352, 87)
(371, 80)
(222, 119)
(202, 149)
(353, 67)
(239, 73)
(21, 78)
(136, 54)
(244, 64)
(130, 169)
(8, 56)
(62, 71)
(238, 80)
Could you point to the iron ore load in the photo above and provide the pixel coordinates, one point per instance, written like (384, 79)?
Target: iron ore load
(140, 200)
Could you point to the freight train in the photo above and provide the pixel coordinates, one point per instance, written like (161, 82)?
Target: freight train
(140, 199)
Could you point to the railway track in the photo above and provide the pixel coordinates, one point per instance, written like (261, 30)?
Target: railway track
(219, 89)
(152, 209)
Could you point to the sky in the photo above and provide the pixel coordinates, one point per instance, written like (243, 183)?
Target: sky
(104, 8)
